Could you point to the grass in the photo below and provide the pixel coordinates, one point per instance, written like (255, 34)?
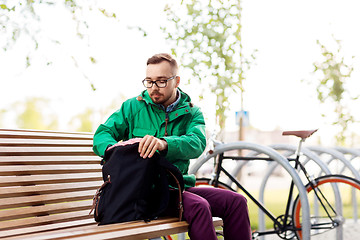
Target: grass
(275, 202)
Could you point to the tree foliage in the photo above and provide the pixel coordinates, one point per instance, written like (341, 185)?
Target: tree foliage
(32, 115)
(2, 114)
(332, 90)
(36, 113)
(206, 36)
(83, 122)
(22, 20)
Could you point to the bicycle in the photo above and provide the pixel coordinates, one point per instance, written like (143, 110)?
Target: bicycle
(327, 213)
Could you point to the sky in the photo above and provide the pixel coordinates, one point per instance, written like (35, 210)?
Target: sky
(283, 33)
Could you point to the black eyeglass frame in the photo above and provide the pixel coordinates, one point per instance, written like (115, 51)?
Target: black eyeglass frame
(156, 82)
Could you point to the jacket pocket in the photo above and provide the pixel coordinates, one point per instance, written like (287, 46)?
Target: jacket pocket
(142, 132)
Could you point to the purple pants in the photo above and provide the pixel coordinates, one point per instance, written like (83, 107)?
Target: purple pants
(201, 204)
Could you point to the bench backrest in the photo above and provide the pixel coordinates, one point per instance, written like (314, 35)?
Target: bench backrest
(46, 178)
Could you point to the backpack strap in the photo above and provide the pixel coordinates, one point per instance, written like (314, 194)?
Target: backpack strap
(175, 172)
(178, 181)
(96, 197)
(180, 206)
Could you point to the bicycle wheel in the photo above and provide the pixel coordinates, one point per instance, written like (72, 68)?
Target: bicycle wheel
(167, 237)
(207, 182)
(328, 218)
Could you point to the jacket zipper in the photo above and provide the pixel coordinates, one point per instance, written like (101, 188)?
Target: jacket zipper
(166, 122)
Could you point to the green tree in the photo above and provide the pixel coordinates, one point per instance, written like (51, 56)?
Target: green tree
(2, 114)
(83, 121)
(334, 74)
(32, 115)
(207, 36)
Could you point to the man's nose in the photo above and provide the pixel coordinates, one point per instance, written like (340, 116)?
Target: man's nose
(154, 86)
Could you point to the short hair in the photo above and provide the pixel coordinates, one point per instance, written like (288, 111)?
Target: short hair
(160, 57)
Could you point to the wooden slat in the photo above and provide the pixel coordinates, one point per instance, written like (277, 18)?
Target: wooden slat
(48, 160)
(43, 135)
(47, 169)
(45, 199)
(138, 233)
(43, 131)
(46, 151)
(48, 227)
(91, 229)
(44, 142)
(43, 220)
(48, 209)
(148, 230)
(18, 191)
(47, 179)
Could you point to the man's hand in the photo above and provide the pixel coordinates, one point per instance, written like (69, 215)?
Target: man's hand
(149, 144)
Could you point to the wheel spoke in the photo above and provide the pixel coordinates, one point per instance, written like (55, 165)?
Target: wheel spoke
(323, 218)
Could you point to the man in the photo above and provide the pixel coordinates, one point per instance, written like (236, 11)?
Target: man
(162, 118)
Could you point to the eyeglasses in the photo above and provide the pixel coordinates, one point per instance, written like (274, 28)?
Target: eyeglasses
(158, 83)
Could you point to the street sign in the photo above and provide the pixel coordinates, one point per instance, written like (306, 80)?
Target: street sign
(245, 117)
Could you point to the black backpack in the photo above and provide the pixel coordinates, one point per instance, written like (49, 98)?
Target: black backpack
(135, 188)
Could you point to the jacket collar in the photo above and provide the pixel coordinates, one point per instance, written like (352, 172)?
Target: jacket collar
(184, 99)
(172, 106)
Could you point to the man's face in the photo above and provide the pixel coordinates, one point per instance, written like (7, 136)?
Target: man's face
(162, 71)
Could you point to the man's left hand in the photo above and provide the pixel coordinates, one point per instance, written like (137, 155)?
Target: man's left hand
(149, 144)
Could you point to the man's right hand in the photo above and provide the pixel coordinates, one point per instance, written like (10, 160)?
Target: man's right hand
(149, 144)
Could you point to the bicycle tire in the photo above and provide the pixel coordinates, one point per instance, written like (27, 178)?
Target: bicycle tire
(167, 237)
(321, 223)
(207, 182)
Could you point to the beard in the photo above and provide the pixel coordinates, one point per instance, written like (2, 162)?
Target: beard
(158, 97)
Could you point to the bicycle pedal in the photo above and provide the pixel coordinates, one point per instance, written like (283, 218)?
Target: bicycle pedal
(255, 235)
(338, 221)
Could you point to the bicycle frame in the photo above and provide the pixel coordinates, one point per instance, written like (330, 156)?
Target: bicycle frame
(283, 226)
(220, 169)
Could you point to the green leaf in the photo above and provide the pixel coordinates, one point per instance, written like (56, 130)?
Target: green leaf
(106, 13)
(93, 60)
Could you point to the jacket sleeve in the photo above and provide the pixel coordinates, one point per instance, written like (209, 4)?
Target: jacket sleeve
(112, 131)
(192, 144)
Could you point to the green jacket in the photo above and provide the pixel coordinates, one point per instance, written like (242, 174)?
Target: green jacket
(139, 116)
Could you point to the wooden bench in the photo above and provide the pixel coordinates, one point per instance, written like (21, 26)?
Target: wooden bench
(47, 182)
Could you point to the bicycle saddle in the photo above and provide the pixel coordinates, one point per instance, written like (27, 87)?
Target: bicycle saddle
(301, 134)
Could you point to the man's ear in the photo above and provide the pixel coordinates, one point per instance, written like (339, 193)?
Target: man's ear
(177, 81)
